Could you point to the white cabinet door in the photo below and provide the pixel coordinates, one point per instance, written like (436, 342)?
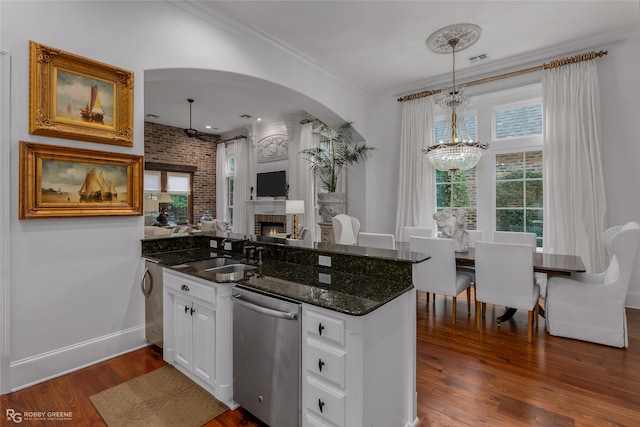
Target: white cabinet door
(183, 331)
(204, 331)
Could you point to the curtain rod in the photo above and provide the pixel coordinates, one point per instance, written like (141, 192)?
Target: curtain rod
(545, 66)
(234, 138)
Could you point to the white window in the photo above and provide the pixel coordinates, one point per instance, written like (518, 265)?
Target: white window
(230, 172)
(177, 186)
(504, 192)
(456, 190)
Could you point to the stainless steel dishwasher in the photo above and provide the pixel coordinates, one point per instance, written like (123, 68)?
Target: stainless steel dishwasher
(151, 287)
(266, 357)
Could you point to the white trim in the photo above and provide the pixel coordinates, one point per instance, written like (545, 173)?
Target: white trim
(5, 221)
(42, 367)
(633, 300)
(224, 19)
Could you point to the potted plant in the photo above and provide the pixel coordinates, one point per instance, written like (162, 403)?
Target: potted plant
(334, 152)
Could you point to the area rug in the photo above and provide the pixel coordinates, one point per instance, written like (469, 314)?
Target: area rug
(164, 397)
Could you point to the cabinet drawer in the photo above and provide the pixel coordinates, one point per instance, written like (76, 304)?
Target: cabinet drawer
(325, 360)
(324, 326)
(314, 421)
(190, 288)
(325, 402)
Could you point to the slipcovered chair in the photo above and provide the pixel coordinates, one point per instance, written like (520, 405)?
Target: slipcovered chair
(607, 238)
(591, 307)
(345, 229)
(504, 276)
(416, 231)
(438, 274)
(377, 240)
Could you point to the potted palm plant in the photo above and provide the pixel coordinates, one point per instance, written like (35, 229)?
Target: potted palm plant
(334, 152)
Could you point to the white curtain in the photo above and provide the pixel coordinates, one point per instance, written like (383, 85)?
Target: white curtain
(221, 186)
(241, 186)
(416, 184)
(306, 181)
(575, 204)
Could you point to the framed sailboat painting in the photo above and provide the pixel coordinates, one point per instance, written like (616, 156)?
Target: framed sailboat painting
(76, 98)
(71, 182)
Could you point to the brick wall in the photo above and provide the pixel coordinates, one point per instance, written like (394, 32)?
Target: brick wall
(166, 144)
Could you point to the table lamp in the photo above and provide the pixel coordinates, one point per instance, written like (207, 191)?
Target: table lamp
(294, 207)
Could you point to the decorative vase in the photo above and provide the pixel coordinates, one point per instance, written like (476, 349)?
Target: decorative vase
(331, 204)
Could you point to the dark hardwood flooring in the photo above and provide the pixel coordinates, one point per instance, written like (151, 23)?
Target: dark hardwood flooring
(464, 377)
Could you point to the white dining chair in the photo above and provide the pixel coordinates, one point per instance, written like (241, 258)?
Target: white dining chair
(345, 229)
(474, 236)
(504, 276)
(416, 231)
(438, 274)
(521, 238)
(591, 307)
(377, 240)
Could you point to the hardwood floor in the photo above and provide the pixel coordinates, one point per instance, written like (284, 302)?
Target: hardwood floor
(464, 377)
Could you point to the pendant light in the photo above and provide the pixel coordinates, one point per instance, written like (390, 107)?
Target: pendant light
(460, 152)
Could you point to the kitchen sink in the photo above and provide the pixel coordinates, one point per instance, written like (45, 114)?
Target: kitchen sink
(209, 263)
(233, 268)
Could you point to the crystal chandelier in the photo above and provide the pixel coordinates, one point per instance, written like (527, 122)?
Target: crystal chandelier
(460, 152)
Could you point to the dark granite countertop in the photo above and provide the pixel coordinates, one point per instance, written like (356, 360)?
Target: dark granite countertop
(338, 291)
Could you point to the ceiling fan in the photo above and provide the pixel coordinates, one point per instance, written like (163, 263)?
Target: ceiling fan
(191, 132)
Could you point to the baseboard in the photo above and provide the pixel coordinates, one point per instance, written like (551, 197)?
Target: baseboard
(36, 369)
(633, 300)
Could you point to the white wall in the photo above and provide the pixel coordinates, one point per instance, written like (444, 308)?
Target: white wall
(74, 282)
(620, 141)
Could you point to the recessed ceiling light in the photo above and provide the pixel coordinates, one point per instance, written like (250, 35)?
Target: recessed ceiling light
(258, 119)
(208, 126)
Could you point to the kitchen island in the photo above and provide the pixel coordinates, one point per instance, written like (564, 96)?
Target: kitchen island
(358, 321)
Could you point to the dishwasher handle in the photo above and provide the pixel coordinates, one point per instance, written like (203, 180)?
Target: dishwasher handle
(264, 310)
(143, 282)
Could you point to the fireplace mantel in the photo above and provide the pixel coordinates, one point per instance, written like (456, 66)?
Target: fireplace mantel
(265, 207)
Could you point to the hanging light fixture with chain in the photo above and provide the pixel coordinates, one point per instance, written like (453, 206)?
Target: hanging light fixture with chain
(461, 152)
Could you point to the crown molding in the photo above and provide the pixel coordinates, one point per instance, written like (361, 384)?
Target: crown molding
(222, 18)
(513, 63)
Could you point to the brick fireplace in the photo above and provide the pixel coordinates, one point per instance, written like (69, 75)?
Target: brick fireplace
(264, 223)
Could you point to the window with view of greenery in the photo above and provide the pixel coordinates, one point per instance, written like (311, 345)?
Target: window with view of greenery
(519, 192)
(179, 188)
(230, 177)
(456, 190)
(178, 185)
(518, 195)
(511, 122)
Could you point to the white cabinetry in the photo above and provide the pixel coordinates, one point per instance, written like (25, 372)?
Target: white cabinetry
(359, 370)
(198, 332)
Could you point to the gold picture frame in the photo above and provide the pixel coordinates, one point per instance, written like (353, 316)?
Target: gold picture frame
(76, 98)
(58, 182)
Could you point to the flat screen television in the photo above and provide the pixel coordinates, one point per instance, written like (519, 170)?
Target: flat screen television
(271, 184)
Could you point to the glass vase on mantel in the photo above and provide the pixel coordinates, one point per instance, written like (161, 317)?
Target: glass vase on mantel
(331, 204)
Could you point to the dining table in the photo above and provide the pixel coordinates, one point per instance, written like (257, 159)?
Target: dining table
(543, 262)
